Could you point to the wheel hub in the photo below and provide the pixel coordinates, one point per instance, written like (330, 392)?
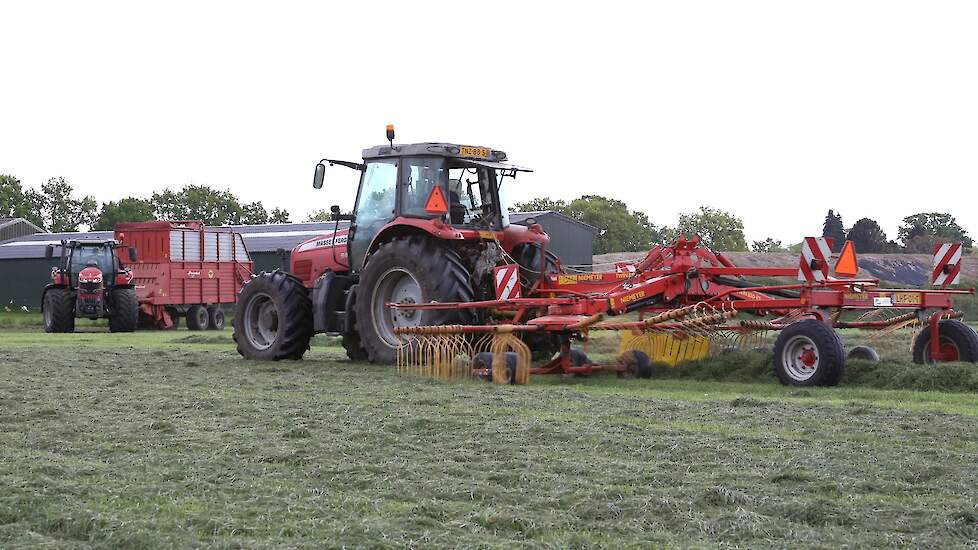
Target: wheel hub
(800, 358)
(395, 286)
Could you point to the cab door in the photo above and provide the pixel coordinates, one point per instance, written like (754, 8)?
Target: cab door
(376, 206)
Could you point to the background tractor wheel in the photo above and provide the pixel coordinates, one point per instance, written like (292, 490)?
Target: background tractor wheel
(958, 342)
(411, 269)
(215, 318)
(273, 318)
(59, 310)
(809, 353)
(175, 317)
(197, 318)
(125, 310)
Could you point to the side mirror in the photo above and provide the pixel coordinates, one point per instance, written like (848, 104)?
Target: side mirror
(132, 253)
(49, 252)
(317, 180)
(335, 211)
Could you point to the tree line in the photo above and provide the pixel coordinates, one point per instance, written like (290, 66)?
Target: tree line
(56, 208)
(624, 230)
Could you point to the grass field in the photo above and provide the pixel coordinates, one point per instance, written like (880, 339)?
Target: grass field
(169, 439)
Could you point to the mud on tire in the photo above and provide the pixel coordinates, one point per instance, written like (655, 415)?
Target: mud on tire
(273, 318)
(125, 310)
(59, 310)
(438, 275)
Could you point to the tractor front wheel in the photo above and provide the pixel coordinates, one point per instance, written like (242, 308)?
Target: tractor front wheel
(409, 270)
(958, 342)
(273, 318)
(809, 353)
(59, 310)
(125, 310)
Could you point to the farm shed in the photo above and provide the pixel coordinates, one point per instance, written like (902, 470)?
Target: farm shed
(571, 240)
(11, 228)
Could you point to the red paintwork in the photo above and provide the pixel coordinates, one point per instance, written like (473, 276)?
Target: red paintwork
(312, 258)
(160, 282)
(90, 275)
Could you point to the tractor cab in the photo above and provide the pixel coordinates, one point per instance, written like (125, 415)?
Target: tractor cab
(445, 188)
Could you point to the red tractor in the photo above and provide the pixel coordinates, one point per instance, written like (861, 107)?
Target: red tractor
(89, 282)
(429, 224)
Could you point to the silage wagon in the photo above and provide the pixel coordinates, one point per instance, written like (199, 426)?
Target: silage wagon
(185, 269)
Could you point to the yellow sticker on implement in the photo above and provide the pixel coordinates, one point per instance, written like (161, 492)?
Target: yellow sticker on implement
(487, 235)
(908, 298)
(481, 152)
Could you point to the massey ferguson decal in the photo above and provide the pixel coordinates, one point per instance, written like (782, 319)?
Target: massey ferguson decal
(324, 242)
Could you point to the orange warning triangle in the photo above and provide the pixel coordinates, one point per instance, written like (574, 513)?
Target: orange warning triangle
(436, 202)
(847, 266)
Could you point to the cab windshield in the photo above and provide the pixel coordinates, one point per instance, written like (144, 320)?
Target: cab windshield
(470, 191)
(84, 256)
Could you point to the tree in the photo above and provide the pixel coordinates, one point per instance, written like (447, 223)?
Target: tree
(198, 202)
(716, 228)
(128, 209)
(835, 230)
(868, 237)
(253, 214)
(278, 215)
(621, 230)
(320, 215)
(541, 204)
(920, 232)
(56, 207)
(767, 245)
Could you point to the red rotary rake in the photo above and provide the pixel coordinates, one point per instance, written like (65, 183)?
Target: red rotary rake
(689, 300)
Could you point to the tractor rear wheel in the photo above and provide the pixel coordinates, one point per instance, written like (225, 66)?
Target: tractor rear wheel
(809, 353)
(59, 310)
(354, 349)
(197, 318)
(273, 318)
(411, 269)
(215, 318)
(125, 310)
(958, 342)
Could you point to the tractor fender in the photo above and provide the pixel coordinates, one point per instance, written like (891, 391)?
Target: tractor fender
(402, 227)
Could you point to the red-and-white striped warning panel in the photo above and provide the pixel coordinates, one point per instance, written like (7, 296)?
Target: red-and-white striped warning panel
(507, 281)
(947, 265)
(814, 262)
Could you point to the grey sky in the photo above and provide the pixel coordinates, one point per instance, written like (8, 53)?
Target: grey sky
(776, 111)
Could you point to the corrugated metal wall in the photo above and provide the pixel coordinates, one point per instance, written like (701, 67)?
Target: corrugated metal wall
(571, 242)
(16, 229)
(22, 281)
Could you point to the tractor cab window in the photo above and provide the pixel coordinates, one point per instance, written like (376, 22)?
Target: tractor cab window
(469, 191)
(375, 205)
(421, 175)
(471, 197)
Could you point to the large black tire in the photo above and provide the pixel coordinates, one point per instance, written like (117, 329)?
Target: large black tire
(59, 310)
(175, 317)
(809, 353)
(215, 318)
(864, 353)
(415, 268)
(197, 318)
(125, 310)
(273, 318)
(954, 335)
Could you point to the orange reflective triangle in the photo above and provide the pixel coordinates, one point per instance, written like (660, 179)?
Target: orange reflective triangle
(436, 202)
(847, 266)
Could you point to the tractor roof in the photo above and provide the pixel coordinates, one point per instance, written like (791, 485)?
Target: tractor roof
(483, 156)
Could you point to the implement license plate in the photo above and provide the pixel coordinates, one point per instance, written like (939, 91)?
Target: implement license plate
(473, 152)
